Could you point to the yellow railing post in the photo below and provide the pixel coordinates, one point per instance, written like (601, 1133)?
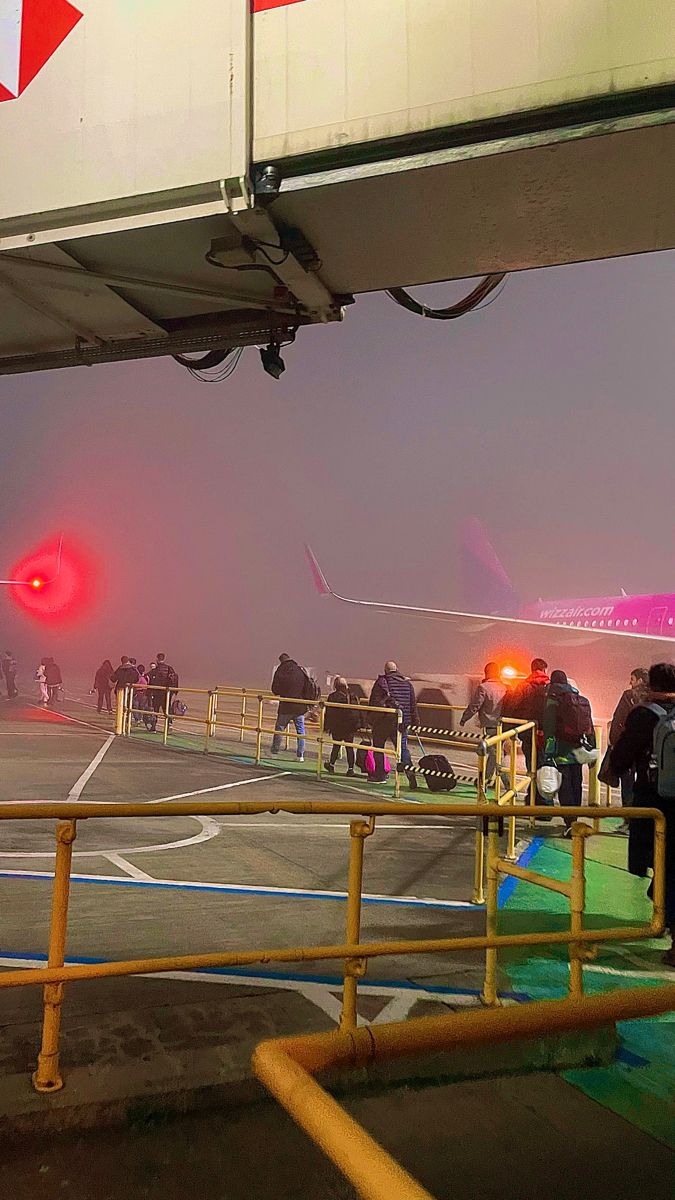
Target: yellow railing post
(593, 781)
(479, 853)
(214, 714)
(354, 967)
(580, 831)
(119, 712)
(209, 718)
(499, 755)
(489, 993)
(397, 749)
(511, 824)
(533, 769)
(242, 715)
(47, 1077)
(259, 729)
(319, 754)
(167, 709)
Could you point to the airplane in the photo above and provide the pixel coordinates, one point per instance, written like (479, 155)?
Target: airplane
(37, 582)
(576, 622)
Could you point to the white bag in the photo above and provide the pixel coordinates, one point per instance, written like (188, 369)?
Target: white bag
(586, 755)
(549, 780)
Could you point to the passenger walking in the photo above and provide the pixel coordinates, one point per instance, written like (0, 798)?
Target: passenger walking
(342, 724)
(654, 780)
(567, 726)
(162, 676)
(486, 704)
(103, 685)
(9, 672)
(635, 693)
(54, 681)
(393, 690)
(41, 680)
(290, 682)
(525, 702)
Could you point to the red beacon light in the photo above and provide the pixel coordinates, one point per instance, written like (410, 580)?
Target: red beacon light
(36, 583)
(508, 674)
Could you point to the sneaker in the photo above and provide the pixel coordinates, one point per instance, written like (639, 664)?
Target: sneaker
(351, 773)
(412, 781)
(300, 757)
(330, 768)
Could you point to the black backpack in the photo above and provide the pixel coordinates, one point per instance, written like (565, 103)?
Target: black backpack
(443, 778)
(574, 720)
(310, 690)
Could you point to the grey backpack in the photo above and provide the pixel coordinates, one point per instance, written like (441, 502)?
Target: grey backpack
(662, 764)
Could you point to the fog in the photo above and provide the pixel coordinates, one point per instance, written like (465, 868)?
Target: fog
(548, 415)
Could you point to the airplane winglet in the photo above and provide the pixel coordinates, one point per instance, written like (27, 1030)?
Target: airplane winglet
(320, 581)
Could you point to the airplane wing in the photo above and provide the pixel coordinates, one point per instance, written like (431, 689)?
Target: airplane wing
(467, 622)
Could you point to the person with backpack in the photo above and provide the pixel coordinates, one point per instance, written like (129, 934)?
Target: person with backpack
(567, 728)
(161, 678)
(291, 682)
(647, 747)
(525, 702)
(486, 704)
(393, 690)
(342, 724)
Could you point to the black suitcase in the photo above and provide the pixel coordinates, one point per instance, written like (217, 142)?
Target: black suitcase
(445, 779)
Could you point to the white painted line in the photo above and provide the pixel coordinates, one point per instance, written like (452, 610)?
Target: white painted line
(280, 983)
(209, 830)
(255, 889)
(324, 999)
(301, 825)
(127, 867)
(65, 717)
(80, 784)
(648, 974)
(219, 787)
(397, 1009)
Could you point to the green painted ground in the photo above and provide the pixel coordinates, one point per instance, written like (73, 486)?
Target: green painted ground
(640, 1085)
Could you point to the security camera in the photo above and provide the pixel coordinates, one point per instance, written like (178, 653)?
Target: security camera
(272, 361)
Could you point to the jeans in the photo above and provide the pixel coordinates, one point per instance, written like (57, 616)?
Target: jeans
(383, 733)
(491, 763)
(335, 754)
(283, 721)
(104, 697)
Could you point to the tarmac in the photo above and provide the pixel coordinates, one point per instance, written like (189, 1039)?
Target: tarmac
(180, 885)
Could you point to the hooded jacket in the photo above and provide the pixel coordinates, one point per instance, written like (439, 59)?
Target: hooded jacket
(289, 680)
(629, 700)
(486, 703)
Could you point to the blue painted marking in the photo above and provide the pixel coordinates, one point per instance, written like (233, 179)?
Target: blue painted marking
(508, 885)
(232, 889)
(335, 981)
(629, 1059)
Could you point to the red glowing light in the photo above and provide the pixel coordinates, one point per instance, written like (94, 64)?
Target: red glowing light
(509, 672)
(54, 586)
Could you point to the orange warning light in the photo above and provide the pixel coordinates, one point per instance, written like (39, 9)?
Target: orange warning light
(36, 583)
(508, 673)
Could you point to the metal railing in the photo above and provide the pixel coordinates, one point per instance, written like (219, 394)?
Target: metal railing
(354, 952)
(286, 1067)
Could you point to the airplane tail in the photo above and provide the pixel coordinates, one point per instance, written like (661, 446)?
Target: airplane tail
(487, 587)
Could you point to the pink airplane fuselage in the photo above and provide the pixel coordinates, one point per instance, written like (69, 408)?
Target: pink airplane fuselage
(650, 615)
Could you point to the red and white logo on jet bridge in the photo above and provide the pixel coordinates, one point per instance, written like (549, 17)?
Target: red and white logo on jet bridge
(30, 33)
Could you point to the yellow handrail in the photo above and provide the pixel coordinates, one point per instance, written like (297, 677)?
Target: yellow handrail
(286, 1066)
(353, 951)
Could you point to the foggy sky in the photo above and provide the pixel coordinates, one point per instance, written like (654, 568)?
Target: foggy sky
(549, 416)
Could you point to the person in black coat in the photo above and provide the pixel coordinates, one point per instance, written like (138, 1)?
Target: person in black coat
(102, 685)
(290, 683)
(342, 724)
(633, 752)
